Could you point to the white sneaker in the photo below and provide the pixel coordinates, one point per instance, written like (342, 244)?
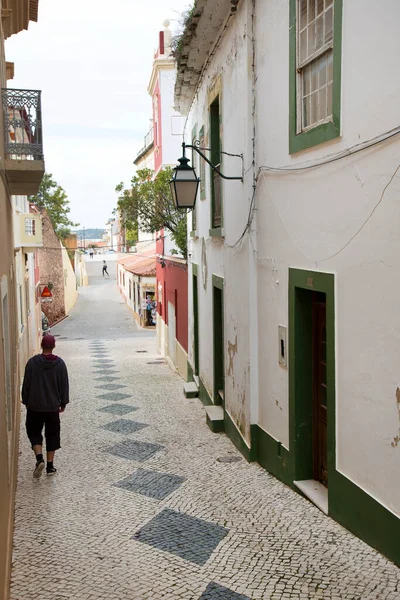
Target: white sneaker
(38, 469)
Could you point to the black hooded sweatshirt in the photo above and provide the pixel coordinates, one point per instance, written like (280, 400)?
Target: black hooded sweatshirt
(45, 387)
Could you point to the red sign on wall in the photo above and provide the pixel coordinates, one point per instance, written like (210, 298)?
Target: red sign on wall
(46, 293)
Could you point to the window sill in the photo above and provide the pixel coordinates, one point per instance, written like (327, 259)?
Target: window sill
(217, 232)
(314, 136)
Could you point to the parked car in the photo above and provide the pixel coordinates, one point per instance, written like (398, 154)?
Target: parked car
(45, 324)
(111, 251)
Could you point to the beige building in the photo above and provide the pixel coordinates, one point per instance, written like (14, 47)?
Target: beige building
(23, 168)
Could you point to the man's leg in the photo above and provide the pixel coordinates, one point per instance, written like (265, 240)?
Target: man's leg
(34, 426)
(38, 450)
(52, 433)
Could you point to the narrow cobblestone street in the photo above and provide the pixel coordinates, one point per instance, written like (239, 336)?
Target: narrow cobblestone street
(149, 504)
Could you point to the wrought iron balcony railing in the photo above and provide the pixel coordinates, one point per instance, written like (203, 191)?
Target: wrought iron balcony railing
(22, 112)
(149, 138)
(148, 142)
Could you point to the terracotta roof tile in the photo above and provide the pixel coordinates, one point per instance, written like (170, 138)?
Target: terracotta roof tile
(139, 265)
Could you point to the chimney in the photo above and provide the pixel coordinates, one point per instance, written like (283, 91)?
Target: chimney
(161, 49)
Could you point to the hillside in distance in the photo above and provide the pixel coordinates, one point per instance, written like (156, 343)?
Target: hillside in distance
(90, 233)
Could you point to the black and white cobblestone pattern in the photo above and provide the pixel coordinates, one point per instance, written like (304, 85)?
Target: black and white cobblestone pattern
(106, 528)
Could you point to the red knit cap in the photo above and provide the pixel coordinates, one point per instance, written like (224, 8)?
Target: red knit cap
(48, 342)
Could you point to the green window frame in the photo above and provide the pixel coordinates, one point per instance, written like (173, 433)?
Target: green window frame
(194, 165)
(202, 167)
(302, 138)
(215, 157)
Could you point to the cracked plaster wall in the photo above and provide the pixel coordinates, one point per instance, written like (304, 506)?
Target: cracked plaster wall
(307, 216)
(304, 218)
(231, 65)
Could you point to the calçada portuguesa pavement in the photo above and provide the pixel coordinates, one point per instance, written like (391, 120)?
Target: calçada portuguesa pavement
(149, 504)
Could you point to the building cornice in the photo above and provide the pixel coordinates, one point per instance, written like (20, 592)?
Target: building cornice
(159, 64)
(16, 15)
(144, 153)
(199, 37)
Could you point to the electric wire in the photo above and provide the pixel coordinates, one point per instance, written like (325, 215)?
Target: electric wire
(340, 155)
(365, 221)
(327, 160)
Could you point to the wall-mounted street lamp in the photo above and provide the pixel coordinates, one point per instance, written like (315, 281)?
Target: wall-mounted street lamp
(184, 183)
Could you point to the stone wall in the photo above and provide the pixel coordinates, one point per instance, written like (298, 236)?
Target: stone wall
(52, 271)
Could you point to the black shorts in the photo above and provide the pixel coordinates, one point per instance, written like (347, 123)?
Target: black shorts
(34, 426)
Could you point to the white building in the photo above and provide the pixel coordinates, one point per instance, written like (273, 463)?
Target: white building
(294, 326)
(112, 234)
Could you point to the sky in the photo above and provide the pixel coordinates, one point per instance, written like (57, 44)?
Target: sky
(92, 60)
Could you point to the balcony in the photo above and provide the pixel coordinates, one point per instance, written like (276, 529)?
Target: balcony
(24, 162)
(148, 145)
(28, 231)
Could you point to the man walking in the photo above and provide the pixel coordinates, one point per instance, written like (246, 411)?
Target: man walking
(104, 268)
(45, 393)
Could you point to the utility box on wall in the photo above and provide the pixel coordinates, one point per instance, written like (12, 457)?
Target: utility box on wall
(282, 345)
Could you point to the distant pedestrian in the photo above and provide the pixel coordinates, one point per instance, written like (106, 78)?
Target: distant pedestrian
(91, 254)
(105, 268)
(45, 393)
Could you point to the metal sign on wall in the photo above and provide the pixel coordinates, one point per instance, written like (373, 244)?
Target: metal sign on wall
(46, 295)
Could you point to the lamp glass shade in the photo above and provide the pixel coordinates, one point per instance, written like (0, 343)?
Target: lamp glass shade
(184, 185)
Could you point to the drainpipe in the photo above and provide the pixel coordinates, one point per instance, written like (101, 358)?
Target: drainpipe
(253, 269)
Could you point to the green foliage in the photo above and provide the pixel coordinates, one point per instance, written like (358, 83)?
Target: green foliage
(53, 198)
(149, 202)
(131, 235)
(185, 23)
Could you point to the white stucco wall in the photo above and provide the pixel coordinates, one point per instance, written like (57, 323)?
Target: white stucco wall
(308, 216)
(171, 140)
(302, 219)
(231, 61)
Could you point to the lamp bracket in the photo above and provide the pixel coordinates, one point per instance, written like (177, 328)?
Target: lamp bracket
(204, 157)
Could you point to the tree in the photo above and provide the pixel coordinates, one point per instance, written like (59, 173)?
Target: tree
(54, 200)
(149, 203)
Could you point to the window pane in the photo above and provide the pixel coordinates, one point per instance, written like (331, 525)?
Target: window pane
(329, 66)
(313, 107)
(329, 25)
(314, 75)
(319, 32)
(303, 13)
(329, 100)
(311, 39)
(320, 6)
(311, 11)
(306, 82)
(328, 3)
(306, 111)
(321, 111)
(30, 226)
(303, 45)
(322, 71)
